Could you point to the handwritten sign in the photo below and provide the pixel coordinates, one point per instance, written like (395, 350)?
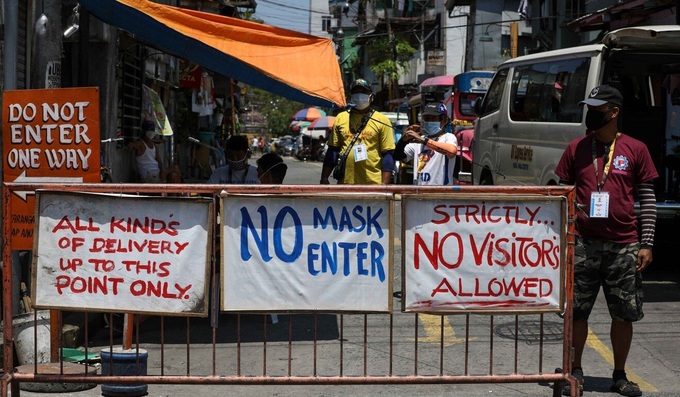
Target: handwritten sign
(49, 136)
(494, 254)
(313, 253)
(131, 254)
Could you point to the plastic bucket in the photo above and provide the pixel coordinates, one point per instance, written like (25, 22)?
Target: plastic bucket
(24, 330)
(122, 362)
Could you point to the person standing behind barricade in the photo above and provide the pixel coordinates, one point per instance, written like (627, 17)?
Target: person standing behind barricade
(271, 169)
(237, 170)
(149, 162)
(363, 139)
(434, 152)
(607, 168)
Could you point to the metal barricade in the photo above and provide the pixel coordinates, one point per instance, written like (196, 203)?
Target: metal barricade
(314, 348)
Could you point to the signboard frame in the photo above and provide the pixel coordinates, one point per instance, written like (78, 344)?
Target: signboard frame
(278, 282)
(128, 254)
(412, 206)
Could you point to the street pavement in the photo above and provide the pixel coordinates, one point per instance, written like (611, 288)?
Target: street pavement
(654, 360)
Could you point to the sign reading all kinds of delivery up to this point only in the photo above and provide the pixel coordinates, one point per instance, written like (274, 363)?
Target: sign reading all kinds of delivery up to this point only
(320, 252)
(49, 136)
(131, 254)
(495, 254)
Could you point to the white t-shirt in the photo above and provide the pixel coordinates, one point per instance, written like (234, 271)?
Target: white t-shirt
(430, 167)
(222, 176)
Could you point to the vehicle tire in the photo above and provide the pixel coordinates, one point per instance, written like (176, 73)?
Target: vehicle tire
(486, 179)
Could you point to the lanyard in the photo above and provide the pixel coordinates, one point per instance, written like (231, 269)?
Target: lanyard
(609, 155)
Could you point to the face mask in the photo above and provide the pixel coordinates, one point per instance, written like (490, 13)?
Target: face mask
(431, 127)
(596, 119)
(238, 165)
(150, 134)
(361, 100)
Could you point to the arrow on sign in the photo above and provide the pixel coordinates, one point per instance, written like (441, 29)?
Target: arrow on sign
(42, 179)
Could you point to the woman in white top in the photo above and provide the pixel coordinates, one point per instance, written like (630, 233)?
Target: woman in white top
(149, 163)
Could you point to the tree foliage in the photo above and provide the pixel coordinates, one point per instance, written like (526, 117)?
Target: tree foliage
(276, 110)
(391, 57)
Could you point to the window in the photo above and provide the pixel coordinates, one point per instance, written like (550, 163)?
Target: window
(549, 91)
(492, 99)
(326, 23)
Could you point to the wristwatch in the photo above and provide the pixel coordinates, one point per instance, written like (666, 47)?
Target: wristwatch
(426, 141)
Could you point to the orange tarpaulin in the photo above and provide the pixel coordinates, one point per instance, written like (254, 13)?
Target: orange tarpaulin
(292, 64)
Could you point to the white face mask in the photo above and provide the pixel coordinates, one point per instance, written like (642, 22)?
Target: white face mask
(431, 127)
(361, 100)
(151, 134)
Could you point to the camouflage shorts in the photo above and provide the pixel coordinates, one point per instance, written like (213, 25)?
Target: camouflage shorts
(612, 266)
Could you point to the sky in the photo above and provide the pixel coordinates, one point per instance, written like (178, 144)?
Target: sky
(287, 14)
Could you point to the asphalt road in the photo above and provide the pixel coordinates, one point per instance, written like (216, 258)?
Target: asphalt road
(654, 360)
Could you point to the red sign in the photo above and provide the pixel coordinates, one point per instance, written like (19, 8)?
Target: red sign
(49, 136)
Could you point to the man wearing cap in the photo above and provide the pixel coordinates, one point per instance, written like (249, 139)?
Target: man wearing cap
(607, 169)
(369, 157)
(432, 147)
(149, 162)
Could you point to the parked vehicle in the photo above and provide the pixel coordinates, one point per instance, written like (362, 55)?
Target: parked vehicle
(531, 112)
(285, 146)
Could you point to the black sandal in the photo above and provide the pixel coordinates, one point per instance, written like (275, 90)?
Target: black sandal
(626, 388)
(578, 374)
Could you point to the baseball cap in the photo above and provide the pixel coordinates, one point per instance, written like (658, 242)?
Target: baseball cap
(434, 109)
(360, 83)
(603, 94)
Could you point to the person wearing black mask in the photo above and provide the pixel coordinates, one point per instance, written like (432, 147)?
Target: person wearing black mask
(237, 170)
(607, 168)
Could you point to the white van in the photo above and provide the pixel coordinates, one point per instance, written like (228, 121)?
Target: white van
(531, 111)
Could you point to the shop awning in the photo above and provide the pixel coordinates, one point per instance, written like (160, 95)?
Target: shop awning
(295, 65)
(624, 14)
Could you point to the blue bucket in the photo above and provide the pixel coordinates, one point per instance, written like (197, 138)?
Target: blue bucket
(123, 362)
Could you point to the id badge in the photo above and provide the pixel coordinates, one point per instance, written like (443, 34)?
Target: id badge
(360, 152)
(599, 204)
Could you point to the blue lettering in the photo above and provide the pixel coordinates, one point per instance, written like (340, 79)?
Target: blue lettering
(345, 221)
(324, 221)
(312, 256)
(297, 240)
(345, 255)
(373, 220)
(357, 214)
(361, 256)
(260, 241)
(377, 254)
(328, 256)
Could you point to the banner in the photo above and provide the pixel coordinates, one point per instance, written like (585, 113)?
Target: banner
(495, 254)
(122, 254)
(153, 109)
(282, 253)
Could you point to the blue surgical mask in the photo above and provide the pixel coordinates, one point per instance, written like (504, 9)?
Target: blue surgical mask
(431, 128)
(361, 100)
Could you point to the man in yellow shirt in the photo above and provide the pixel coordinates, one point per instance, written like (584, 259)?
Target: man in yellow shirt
(369, 157)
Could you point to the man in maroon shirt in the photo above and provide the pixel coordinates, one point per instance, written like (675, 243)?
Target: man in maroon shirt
(607, 168)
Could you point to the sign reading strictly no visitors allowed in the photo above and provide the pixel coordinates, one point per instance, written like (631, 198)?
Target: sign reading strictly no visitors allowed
(49, 136)
(487, 253)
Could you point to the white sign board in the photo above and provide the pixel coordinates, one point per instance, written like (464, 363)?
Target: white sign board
(473, 254)
(326, 253)
(130, 254)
